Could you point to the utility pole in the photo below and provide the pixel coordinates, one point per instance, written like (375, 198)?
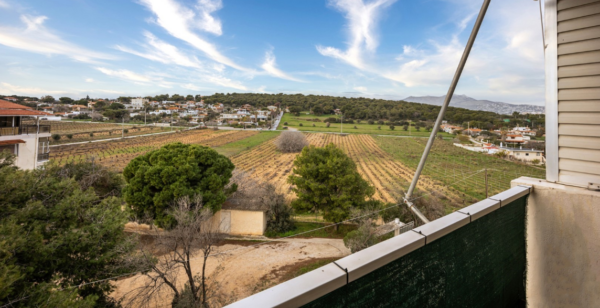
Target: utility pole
(171, 123)
(123, 127)
(145, 112)
(342, 124)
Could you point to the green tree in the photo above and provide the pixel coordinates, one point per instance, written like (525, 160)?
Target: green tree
(326, 180)
(296, 110)
(56, 234)
(175, 171)
(66, 100)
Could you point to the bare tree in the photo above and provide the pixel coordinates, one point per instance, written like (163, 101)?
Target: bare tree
(291, 141)
(195, 236)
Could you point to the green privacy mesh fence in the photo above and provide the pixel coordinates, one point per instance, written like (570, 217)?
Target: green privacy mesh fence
(479, 265)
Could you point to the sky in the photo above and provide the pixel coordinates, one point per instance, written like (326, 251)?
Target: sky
(388, 49)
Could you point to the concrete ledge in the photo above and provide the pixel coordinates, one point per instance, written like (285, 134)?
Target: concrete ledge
(374, 257)
(511, 195)
(442, 226)
(480, 208)
(298, 291)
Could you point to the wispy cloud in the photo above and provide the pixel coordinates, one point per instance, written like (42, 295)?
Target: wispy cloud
(362, 22)
(271, 67)
(89, 80)
(3, 4)
(14, 89)
(160, 51)
(180, 22)
(125, 75)
(35, 37)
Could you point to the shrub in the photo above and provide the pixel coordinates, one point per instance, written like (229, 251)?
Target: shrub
(285, 123)
(355, 127)
(291, 142)
(328, 124)
(91, 134)
(300, 125)
(55, 137)
(314, 125)
(418, 128)
(380, 122)
(371, 122)
(535, 161)
(379, 127)
(70, 136)
(405, 127)
(126, 131)
(392, 127)
(358, 121)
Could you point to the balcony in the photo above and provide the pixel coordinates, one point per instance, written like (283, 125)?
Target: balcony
(24, 130)
(474, 257)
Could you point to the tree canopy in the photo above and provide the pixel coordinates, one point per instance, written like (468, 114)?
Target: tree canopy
(176, 170)
(327, 180)
(57, 232)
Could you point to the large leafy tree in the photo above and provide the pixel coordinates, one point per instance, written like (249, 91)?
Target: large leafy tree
(57, 233)
(326, 180)
(175, 171)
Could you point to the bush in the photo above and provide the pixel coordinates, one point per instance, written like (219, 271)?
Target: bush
(91, 134)
(328, 124)
(291, 142)
(379, 127)
(405, 127)
(126, 131)
(55, 137)
(285, 123)
(361, 238)
(300, 125)
(535, 161)
(355, 127)
(392, 127)
(380, 122)
(371, 122)
(70, 136)
(176, 170)
(314, 125)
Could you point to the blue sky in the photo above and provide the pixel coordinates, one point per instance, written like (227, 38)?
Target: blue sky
(373, 48)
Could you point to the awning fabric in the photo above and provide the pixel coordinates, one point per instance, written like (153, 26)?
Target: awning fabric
(9, 142)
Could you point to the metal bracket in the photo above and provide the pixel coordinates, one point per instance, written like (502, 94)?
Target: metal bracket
(593, 186)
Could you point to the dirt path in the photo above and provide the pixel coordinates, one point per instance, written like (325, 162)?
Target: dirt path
(250, 269)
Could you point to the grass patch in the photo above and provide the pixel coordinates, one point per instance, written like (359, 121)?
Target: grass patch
(309, 267)
(362, 128)
(302, 227)
(239, 146)
(456, 167)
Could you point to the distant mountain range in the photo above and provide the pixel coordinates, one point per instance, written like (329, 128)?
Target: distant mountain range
(463, 101)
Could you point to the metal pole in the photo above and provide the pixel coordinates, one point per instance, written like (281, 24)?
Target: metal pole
(123, 127)
(486, 184)
(440, 117)
(542, 23)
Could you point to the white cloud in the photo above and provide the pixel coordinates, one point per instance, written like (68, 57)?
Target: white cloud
(360, 89)
(160, 51)
(180, 21)
(89, 80)
(125, 74)
(35, 37)
(271, 67)
(3, 4)
(13, 89)
(362, 21)
(190, 86)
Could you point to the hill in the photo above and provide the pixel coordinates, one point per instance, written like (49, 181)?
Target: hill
(463, 101)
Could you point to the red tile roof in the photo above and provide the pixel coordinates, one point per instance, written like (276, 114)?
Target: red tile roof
(9, 142)
(8, 108)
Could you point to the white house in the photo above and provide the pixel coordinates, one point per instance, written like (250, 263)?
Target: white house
(139, 102)
(21, 134)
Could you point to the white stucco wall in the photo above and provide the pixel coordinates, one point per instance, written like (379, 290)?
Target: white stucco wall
(563, 245)
(27, 157)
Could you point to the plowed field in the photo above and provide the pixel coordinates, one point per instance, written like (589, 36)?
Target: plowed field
(118, 153)
(388, 176)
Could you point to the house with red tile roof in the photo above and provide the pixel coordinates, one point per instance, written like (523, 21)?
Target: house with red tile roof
(22, 135)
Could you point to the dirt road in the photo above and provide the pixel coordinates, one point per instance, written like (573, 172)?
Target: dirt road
(248, 268)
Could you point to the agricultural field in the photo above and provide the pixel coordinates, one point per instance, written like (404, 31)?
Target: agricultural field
(390, 177)
(117, 153)
(307, 121)
(458, 168)
(236, 147)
